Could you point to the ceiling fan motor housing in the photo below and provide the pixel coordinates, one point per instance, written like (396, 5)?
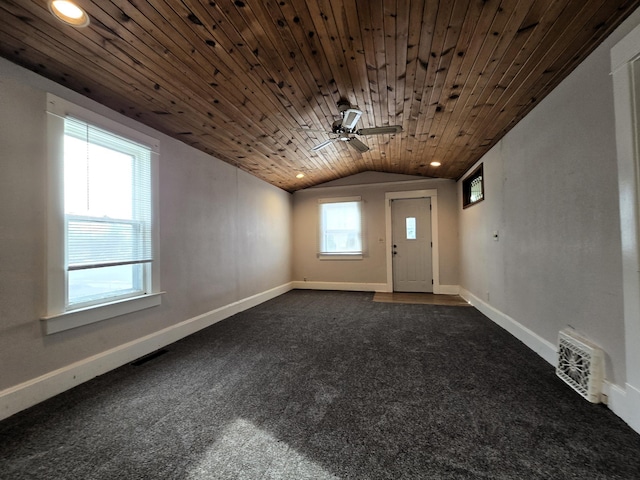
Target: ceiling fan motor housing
(337, 127)
(343, 105)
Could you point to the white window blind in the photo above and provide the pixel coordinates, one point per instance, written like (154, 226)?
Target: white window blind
(341, 227)
(102, 219)
(107, 189)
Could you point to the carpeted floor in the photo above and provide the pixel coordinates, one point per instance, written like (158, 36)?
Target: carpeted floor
(327, 385)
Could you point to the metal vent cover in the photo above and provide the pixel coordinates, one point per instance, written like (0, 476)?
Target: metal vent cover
(580, 365)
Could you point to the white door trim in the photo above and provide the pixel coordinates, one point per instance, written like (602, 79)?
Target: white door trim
(627, 107)
(435, 257)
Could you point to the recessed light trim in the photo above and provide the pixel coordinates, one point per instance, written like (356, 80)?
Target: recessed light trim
(435, 164)
(69, 13)
(300, 175)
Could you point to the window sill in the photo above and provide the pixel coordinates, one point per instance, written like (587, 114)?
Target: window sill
(340, 256)
(76, 318)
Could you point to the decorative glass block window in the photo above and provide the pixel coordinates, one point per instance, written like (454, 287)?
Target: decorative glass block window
(411, 228)
(340, 226)
(473, 188)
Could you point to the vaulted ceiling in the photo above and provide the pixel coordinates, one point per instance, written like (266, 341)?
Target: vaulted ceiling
(256, 83)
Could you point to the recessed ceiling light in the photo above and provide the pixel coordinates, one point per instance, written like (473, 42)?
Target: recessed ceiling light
(300, 175)
(69, 13)
(435, 164)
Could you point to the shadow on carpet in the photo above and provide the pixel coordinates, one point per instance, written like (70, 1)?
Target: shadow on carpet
(326, 385)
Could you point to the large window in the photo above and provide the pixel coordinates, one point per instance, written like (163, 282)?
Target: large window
(341, 227)
(102, 229)
(107, 209)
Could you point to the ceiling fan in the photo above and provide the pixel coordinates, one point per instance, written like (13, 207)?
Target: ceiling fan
(344, 129)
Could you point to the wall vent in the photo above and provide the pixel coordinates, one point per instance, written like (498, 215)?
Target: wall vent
(580, 365)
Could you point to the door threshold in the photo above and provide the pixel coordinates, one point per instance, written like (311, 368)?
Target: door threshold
(420, 298)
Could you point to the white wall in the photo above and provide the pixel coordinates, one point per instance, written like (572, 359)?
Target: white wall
(552, 192)
(225, 236)
(370, 273)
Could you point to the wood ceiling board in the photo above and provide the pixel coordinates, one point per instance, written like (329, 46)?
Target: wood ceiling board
(418, 44)
(496, 30)
(507, 100)
(343, 77)
(238, 79)
(447, 87)
(500, 38)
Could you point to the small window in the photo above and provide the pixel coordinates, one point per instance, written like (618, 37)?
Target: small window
(473, 188)
(340, 227)
(411, 228)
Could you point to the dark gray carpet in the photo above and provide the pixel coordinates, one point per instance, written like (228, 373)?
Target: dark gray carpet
(319, 385)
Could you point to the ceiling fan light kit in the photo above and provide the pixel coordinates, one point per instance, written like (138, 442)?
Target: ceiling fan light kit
(344, 129)
(350, 117)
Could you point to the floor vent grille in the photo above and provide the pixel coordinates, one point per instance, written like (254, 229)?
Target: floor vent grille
(149, 357)
(580, 365)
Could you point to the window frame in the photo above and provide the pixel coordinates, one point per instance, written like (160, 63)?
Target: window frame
(58, 316)
(323, 255)
(467, 183)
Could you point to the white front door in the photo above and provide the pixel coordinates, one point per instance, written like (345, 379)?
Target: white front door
(411, 235)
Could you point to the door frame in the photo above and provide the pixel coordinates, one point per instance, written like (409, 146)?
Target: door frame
(625, 61)
(435, 257)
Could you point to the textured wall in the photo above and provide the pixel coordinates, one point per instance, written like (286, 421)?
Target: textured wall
(224, 236)
(552, 192)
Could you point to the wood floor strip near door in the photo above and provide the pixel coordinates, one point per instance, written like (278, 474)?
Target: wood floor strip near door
(420, 298)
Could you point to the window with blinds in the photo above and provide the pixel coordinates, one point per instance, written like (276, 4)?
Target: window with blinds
(340, 227)
(108, 217)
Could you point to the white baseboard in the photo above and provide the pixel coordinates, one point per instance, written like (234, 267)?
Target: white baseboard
(29, 393)
(542, 347)
(632, 414)
(366, 287)
(616, 398)
(624, 402)
(446, 289)
(347, 286)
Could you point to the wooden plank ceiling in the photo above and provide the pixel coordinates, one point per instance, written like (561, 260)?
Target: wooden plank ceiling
(241, 79)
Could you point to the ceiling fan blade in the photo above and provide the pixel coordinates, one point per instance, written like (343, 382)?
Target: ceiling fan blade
(313, 130)
(358, 145)
(380, 130)
(320, 146)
